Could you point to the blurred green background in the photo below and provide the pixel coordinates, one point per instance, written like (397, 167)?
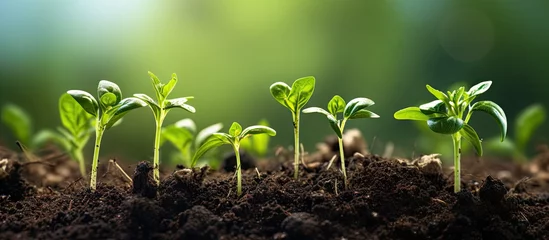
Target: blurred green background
(228, 53)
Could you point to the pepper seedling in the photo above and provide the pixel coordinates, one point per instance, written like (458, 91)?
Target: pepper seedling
(446, 116)
(257, 145)
(107, 112)
(184, 137)
(233, 138)
(353, 110)
(160, 109)
(294, 98)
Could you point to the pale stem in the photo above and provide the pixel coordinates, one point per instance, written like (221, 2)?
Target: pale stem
(342, 153)
(457, 155)
(156, 157)
(78, 156)
(238, 171)
(296, 145)
(98, 135)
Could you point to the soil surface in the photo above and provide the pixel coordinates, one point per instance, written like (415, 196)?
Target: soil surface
(388, 198)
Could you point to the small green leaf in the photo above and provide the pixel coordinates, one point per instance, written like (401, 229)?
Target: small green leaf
(106, 87)
(156, 83)
(336, 105)
(316, 110)
(434, 107)
(180, 103)
(235, 129)
(458, 94)
(108, 99)
(479, 88)
(445, 125)
(152, 104)
(527, 122)
(301, 91)
(471, 135)
(411, 113)
(356, 105)
(364, 114)
(281, 92)
(73, 117)
(45, 136)
(438, 94)
(126, 105)
(86, 101)
(186, 123)
(260, 142)
(335, 126)
(18, 121)
(167, 89)
(215, 140)
(206, 133)
(257, 129)
(495, 111)
(179, 137)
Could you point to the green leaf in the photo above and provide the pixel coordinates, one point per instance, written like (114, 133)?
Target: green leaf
(364, 114)
(336, 105)
(206, 133)
(73, 117)
(186, 123)
(301, 91)
(167, 89)
(180, 103)
(86, 101)
(411, 113)
(496, 112)
(471, 135)
(459, 93)
(45, 136)
(316, 110)
(215, 140)
(156, 84)
(438, 94)
(179, 137)
(527, 122)
(479, 88)
(18, 121)
(107, 88)
(126, 105)
(257, 129)
(335, 126)
(356, 105)
(235, 129)
(434, 107)
(445, 125)
(260, 142)
(281, 92)
(152, 104)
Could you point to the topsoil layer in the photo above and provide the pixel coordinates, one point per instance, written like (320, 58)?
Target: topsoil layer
(387, 199)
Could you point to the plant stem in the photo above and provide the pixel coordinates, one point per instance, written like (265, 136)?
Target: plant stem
(156, 157)
(238, 171)
(342, 153)
(78, 156)
(296, 145)
(456, 137)
(98, 135)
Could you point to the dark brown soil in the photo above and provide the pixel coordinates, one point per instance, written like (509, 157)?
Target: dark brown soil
(387, 199)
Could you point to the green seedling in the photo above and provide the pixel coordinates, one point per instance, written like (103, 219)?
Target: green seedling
(294, 98)
(526, 123)
(107, 112)
(257, 145)
(184, 137)
(353, 110)
(233, 138)
(160, 109)
(447, 116)
(18, 121)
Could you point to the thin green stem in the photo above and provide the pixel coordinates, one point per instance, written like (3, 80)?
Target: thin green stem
(238, 171)
(296, 145)
(342, 154)
(98, 135)
(456, 137)
(156, 157)
(78, 156)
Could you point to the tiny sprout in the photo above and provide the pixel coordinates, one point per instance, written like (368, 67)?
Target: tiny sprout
(160, 110)
(107, 112)
(352, 110)
(294, 99)
(233, 138)
(257, 145)
(446, 116)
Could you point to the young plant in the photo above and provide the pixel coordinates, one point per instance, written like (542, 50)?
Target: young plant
(294, 98)
(257, 145)
(184, 137)
(160, 109)
(447, 116)
(353, 110)
(107, 111)
(233, 138)
(18, 121)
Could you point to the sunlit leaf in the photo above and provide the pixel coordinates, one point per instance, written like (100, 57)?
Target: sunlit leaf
(235, 129)
(179, 137)
(186, 123)
(336, 105)
(86, 101)
(356, 105)
(167, 89)
(479, 88)
(364, 114)
(445, 125)
(471, 135)
(206, 133)
(281, 92)
(301, 91)
(438, 94)
(126, 105)
(107, 88)
(496, 112)
(152, 104)
(527, 122)
(18, 121)
(73, 117)
(316, 110)
(257, 129)
(215, 140)
(411, 113)
(434, 107)
(180, 103)
(334, 124)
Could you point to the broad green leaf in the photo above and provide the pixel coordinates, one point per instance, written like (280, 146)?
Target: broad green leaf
(301, 91)
(364, 114)
(438, 94)
(126, 105)
(316, 110)
(106, 87)
(445, 125)
(180, 103)
(496, 112)
(281, 92)
(18, 121)
(356, 105)
(45, 136)
(179, 137)
(152, 104)
(434, 107)
(215, 140)
(335, 126)
(336, 105)
(411, 113)
(73, 117)
(235, 130)
(527, 122)
(167, 89)
(257, 129)
(471, 135)
(186, 123)
(206, 133)
(479, 88)
(86, 101)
